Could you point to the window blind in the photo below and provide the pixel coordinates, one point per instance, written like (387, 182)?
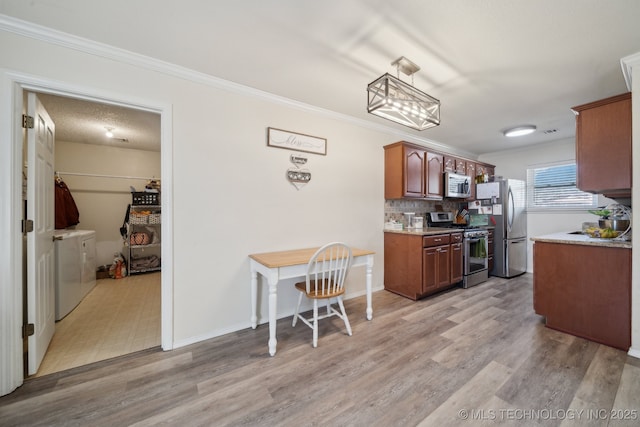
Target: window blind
(554, 187)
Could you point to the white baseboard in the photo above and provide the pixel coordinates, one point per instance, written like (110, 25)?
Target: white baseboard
(634, 352)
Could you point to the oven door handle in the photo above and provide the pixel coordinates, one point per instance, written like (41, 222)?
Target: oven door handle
(473, 240)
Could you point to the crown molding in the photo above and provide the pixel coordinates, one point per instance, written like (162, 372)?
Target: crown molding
(91, 47)
(627, 63)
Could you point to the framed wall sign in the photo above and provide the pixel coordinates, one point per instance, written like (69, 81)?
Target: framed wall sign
(296, 141)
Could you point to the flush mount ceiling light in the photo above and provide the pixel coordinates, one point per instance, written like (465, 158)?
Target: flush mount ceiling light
(400, 102)
(519, 131)
(109, 134)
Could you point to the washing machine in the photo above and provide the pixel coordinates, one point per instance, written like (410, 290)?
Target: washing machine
(75, 253)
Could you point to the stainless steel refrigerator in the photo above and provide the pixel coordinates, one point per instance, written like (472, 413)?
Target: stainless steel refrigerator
(507, 199)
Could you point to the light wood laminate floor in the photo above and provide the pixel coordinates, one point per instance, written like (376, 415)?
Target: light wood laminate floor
(477, 356)
(117, 317)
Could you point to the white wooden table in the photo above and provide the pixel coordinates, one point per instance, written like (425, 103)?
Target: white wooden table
(275, 266)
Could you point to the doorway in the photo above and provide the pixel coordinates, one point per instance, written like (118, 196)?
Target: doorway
(108, 318)
(16, 85)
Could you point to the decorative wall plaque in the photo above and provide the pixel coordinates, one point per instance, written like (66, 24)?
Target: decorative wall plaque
(296, 141)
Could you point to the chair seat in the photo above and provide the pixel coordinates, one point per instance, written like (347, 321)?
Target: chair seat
(302, 287)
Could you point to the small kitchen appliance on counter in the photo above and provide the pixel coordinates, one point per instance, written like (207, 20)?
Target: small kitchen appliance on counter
(414, 221)
(409, 218)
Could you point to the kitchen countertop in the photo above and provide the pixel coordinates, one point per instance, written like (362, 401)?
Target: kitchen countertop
(426, 231)
(582, 239)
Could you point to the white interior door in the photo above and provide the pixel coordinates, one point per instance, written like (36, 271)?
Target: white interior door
(40, 247)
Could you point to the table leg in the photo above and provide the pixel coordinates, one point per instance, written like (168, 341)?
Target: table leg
(369, 286)
(273, 304)
(254, 299)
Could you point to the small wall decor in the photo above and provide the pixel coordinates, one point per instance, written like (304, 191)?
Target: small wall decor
(298, 176)
(298, 159)
(296, 141)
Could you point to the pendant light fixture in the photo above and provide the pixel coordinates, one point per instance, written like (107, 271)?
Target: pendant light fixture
(400, 102)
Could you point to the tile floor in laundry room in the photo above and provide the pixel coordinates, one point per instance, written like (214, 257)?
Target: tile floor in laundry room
(117, 317)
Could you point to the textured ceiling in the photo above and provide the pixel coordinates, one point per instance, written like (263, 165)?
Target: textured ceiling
(86, 122)
(493, 63)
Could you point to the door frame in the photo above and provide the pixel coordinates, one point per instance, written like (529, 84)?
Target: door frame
(12, 87)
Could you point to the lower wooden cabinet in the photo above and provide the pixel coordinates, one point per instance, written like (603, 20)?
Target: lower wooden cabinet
(416, 266)
(457, 267)
(436, 268)
(584, 290)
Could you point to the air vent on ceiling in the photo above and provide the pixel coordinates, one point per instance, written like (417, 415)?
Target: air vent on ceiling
(549, 131)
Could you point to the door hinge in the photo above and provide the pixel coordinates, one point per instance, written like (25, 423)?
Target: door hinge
(27, 121)
(27, 225)
(28, 330)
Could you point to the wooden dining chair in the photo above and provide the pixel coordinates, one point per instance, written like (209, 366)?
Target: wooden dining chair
(326, 272)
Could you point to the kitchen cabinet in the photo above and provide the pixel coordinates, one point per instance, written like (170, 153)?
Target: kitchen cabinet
(436, 263)
(455, 164)
(449, 164)
(457, 263)
(412, 172)
(603, 146)
(584, 290)
(484, 169)
(434, 176)
(471, 171)
(415, 172)
(417, 265)
(143, 239)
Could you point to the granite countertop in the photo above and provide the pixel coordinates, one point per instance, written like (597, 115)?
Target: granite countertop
(582, 239)
(426, 231)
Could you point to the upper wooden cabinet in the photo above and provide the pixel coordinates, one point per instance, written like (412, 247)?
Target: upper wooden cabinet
(412, 172)
(435, 177)
(482, 169)
(471, 171)
(449, 164)
(457, 165)
(603, 146)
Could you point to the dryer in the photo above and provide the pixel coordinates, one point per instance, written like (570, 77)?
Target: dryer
(75, 253)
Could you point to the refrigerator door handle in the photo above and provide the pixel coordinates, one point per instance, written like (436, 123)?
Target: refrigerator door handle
(510, 210)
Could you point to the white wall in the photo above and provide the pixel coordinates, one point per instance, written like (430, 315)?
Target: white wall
(230, 195)
(514, 164)
(102, 202)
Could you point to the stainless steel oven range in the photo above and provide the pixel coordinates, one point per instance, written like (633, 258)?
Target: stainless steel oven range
(475, 241)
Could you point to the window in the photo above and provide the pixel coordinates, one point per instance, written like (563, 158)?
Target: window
(554, 187)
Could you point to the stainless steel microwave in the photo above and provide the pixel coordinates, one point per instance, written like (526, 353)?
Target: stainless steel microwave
(458, 186)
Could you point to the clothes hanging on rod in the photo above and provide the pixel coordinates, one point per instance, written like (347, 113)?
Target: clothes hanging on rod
(66, 210)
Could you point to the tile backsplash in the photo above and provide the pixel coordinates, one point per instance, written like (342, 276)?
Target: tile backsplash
(394, 209)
